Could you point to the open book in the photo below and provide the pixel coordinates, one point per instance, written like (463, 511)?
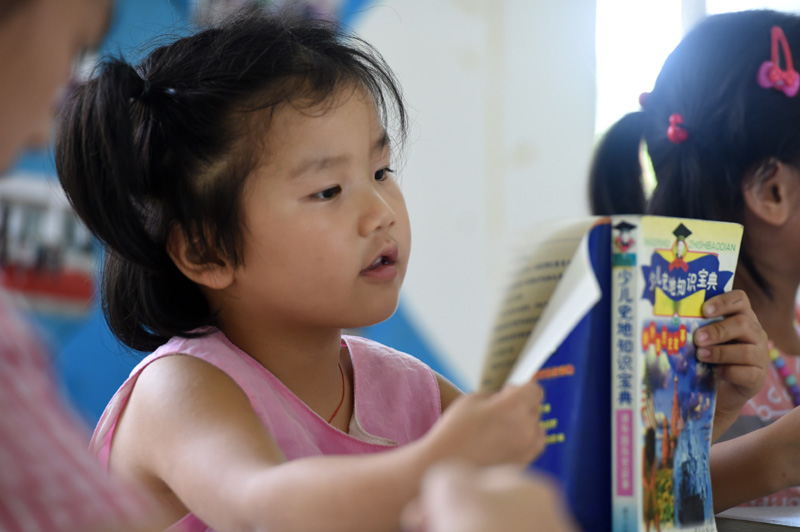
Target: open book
(601, 311)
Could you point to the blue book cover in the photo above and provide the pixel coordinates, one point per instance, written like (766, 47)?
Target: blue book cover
(577, 384)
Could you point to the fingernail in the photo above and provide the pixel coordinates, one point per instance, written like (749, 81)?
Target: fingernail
(702, 336)
(703, 353)
(708, 309)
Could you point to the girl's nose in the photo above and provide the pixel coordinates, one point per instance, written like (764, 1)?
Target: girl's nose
(377, 213)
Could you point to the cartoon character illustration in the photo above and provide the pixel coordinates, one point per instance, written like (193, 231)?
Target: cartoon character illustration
(624, 239)
(679, 248)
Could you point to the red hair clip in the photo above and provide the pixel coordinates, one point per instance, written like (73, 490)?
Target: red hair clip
(675, 132)
(771, 76)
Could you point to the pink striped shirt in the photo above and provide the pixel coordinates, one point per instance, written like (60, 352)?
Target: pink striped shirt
(48, 479)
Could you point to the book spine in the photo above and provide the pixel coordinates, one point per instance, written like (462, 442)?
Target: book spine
(625, 375)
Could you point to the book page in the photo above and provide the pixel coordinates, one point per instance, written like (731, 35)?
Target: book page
(538, 261)
(752, 516)
(576, 294)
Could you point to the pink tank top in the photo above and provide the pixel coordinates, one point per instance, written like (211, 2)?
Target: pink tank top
(397, 400)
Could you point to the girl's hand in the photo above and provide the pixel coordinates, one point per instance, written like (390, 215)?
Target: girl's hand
(456, 497)
(738, 346)
(486, 429)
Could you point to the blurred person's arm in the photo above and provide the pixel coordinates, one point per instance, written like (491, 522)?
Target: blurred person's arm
(456, 497)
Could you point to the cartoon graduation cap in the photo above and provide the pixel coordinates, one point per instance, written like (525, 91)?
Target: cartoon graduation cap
(681, 234)
(624, 240)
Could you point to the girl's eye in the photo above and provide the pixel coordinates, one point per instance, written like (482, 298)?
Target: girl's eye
(382, 174)
(328, 193)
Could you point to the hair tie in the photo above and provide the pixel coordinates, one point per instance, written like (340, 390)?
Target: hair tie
(146, 89)
(771, 76)
(676, 133)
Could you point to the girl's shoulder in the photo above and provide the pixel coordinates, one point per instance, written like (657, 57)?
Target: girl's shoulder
(210, 345)
(386, 377)
(366, 351)
(162, 379)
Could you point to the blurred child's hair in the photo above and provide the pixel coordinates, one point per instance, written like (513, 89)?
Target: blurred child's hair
(734, 127)
(169, 143)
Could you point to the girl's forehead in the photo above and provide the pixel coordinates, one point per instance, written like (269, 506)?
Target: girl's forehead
(319, 105)
(343, 113)
(310, 134)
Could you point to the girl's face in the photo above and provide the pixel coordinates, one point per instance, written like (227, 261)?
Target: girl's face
(39, 42)
(327, 236)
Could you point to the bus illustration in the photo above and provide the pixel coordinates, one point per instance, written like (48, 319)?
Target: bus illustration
(47, 257)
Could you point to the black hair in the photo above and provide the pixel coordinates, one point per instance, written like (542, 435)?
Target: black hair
(169, 143)
(735, 127)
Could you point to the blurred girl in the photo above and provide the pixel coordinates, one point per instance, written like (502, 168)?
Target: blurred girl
(721, 130)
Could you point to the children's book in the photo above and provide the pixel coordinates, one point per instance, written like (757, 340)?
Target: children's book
(601, 311)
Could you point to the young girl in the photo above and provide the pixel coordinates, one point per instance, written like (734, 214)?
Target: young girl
(721, 129)
(242, 181)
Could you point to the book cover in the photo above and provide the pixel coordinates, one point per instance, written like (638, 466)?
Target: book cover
(663, 270)
(595, 313)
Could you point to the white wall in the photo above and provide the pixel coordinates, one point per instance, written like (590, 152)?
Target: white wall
(502, 98)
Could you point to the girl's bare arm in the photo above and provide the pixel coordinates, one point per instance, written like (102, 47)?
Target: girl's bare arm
(189, 426)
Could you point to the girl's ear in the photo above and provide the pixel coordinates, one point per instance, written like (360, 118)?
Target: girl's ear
(771, 192)
(208, 270)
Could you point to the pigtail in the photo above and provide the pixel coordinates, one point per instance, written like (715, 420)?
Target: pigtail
(685, 188)
(615, 178)
(105, 162)
(97, 163)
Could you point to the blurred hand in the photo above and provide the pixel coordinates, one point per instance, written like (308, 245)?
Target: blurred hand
(456, 497)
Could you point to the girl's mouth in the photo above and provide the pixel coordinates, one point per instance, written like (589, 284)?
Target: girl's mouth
(380, 261)
(384, 267)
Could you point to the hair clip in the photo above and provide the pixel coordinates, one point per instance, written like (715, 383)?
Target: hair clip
(675, 132)
(771, 76)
